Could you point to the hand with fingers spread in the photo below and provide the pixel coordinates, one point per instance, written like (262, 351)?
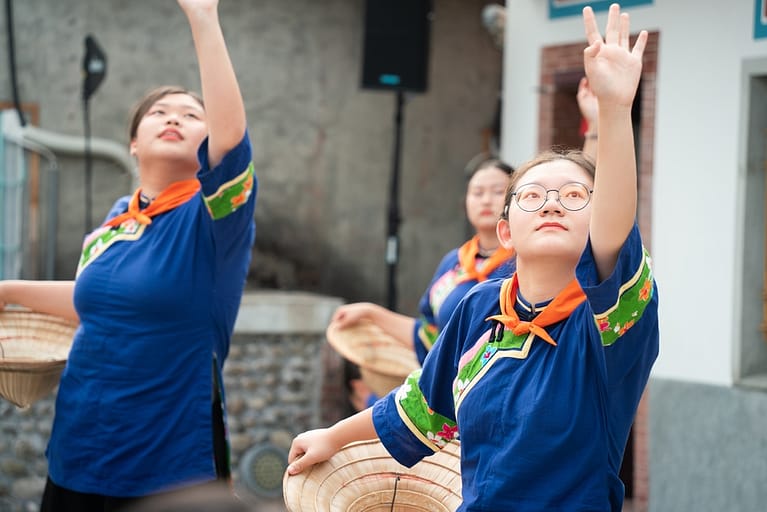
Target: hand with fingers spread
(613, 68)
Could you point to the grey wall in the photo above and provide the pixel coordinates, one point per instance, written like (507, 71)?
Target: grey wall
(708, 448)
(323, 146)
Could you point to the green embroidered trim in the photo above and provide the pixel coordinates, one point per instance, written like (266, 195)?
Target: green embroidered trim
(231, 195)
(427, 333)
(510, 345)
(433, 429)
(102, 238)
(633, 298)
(443, 287)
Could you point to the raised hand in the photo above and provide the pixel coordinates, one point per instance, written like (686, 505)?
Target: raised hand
(612, 67)
(587, 104)
(224, 106)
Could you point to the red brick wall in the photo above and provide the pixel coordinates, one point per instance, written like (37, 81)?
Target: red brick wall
(559, 121)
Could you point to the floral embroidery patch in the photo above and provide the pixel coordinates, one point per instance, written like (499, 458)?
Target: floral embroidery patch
(102, 238)
(427, 333)
(443, 287)
(231, 195)
(632, 301)
(490, 350)
(510, 345)
(429, 426)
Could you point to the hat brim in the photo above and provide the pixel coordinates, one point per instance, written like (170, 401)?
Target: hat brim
(384, 362)
(34, 348)
(363, 477)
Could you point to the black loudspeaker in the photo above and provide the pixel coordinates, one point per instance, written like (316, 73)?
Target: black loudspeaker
(396, 44)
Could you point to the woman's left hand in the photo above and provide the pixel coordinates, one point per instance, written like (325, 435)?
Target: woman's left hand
(612, 67)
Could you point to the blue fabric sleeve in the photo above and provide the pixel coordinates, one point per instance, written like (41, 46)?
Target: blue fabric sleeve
(396, 437)
(625, 304)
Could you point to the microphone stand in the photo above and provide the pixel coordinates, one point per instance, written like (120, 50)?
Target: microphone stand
(94, 70)
(392, 240)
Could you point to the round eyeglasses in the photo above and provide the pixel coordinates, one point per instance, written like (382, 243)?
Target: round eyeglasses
(572, 196)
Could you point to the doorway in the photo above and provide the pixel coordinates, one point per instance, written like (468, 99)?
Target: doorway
(560, 125)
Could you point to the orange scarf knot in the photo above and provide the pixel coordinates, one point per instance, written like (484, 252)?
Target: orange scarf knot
(175, 194)
(560, 308)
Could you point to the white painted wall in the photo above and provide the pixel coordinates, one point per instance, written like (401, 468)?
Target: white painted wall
(698, 163)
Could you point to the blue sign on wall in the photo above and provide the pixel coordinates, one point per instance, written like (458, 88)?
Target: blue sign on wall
(562, 8)
(760, 19)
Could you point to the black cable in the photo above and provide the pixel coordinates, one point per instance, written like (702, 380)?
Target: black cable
(392, 240)
(12, 61)
(88, 167)
(394, 494)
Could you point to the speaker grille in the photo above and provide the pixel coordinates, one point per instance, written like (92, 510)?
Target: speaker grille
(396, 44)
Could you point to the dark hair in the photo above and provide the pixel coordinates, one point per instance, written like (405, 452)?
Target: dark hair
(150, 98)
(575, 156)
(490, 163)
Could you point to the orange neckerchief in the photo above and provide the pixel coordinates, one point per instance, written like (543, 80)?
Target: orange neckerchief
(467, 258)
(558, 309)
(175, 194)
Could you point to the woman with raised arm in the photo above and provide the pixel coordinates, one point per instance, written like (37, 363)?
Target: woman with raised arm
(541, 373)
(140, 406)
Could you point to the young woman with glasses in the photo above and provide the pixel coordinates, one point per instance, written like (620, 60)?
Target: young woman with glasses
(541, 373)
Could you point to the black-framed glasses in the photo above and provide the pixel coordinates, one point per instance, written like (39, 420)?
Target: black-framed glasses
(572, 196)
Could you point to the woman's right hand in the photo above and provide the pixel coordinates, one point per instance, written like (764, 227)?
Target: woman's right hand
(319, 445)
(350, 314)
(310, 448)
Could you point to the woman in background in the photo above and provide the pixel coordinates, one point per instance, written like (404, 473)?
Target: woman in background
(478, 259)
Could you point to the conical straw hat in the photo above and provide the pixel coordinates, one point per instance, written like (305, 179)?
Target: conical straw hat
(384, 362)
(363, 477)
(33, 352)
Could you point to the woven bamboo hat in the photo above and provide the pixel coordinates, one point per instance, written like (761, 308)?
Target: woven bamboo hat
(33, 352)
(363, 477)
(384, 362)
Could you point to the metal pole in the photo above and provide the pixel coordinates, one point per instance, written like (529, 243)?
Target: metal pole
(392, 239)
